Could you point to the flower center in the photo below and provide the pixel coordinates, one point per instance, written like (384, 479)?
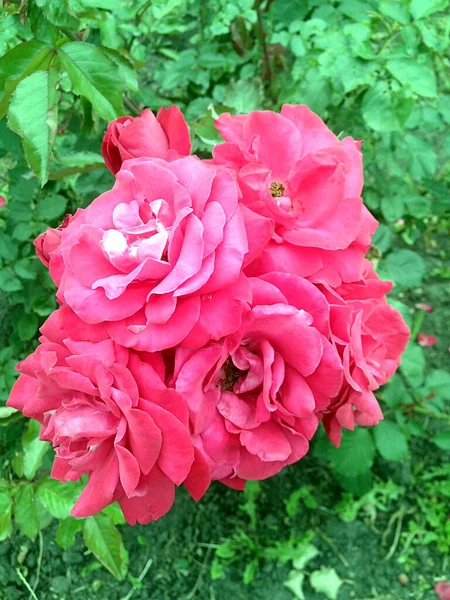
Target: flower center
(277, 189)
(231, 375)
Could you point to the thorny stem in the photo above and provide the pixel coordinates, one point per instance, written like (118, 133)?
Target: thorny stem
(131, 105)
(267, 73)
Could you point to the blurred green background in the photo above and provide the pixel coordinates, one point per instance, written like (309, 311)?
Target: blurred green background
(368, 521)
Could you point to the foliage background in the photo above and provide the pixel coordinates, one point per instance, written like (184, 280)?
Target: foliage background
(377, 70)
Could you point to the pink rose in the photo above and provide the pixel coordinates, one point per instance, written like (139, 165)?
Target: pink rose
(108, 413)
(164, 136)
(253, 396)
(47, 247)
(2, 201)
(442, 589)
(292, 169)
(370, 336)
(159, 257)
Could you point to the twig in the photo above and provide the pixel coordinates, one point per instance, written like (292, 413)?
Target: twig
(400, 514)
(140, 578)
(26, 584)
(132, 106)
(333, 546)
(39, 561)
(267, 75)
(200, 576)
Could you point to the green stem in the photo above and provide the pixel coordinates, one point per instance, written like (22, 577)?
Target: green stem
(417, 324)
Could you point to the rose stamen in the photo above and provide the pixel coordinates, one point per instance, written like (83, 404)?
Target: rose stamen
(277, 189)
(231, 375)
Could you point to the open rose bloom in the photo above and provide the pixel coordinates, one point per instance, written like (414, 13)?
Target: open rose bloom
(212, 313)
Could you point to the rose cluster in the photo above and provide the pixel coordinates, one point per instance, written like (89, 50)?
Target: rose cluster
(212, 312)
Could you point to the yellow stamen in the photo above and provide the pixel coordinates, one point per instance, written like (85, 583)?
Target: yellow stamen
(277, 189)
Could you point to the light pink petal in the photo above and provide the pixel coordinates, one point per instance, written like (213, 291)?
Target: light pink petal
(189, 260)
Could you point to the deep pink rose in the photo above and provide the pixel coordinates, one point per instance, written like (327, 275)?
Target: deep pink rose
(164, 136)
(108, 413)
(253, 396)
(294, 170)
(370, 336)
(159, 257)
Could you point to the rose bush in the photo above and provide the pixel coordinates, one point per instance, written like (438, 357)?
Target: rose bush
(212, 312)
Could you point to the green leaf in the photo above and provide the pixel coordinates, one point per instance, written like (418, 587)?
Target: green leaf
(421, 157)
(59, 498)
(33, 449)
(51, 207)
(437, 385)
(33, 114)
(23, 231)
(127, 70)
(355, 455)
(5, 516)
(27, 327)
(413, 365)
(405, 267)
(442, 440)
(243, 96)
(115, 512)
(326, 581)
(58, 13)
(77, 162)
(382, 238)
(26, 512)
(17, 64)
(25, 268)
(418, 77)
(444, 107)
(6, 412)
(294, 583)
(390, 441)
(395, 10)
(377, 109)
(105, 542)
(395, 392)
(7, 249)
(392, 208)
(250, 571)
(423, 8)
(308, 554)
(95, 76)
(417, 206)
(67, 529)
